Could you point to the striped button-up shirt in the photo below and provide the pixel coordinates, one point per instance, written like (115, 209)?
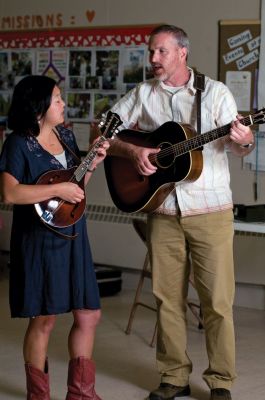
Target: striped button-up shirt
(150, 104)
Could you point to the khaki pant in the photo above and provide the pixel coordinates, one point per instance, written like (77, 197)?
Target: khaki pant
(208, 241)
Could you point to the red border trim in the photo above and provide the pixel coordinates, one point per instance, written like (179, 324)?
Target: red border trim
(81, 37)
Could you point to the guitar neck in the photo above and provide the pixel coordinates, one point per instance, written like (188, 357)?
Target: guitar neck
(87, 161)
(207, 137)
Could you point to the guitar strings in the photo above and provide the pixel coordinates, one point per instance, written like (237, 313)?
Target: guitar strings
(79, 171)
(111, 123)
(185, 146)
(61, 202)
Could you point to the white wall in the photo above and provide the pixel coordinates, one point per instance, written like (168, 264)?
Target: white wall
(198, 17)
(200, 20)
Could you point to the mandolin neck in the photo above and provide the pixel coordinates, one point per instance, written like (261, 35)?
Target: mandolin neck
(87, 161)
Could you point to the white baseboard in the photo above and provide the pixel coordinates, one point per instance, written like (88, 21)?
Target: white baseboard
(250, 296)
(246, 295)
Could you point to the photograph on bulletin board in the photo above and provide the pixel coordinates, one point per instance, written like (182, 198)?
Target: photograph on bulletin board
(239, 43)
(92, 67)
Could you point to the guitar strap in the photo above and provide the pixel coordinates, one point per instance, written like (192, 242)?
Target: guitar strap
(199, 85)
(77, 159)
(60, 234)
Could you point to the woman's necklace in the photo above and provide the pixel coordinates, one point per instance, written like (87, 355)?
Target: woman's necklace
(50, 142)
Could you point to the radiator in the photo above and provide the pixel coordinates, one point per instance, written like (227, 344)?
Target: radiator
(249, 257)
(112, 236)
(114, 242)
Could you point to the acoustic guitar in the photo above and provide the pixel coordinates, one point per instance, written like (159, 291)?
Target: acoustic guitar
(60, 213)
(180, 159)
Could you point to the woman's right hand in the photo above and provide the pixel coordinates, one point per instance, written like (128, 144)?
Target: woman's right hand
(70, 192)
(14, 192)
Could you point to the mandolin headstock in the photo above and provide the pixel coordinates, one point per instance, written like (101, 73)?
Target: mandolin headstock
(259, 116)
(109, 124)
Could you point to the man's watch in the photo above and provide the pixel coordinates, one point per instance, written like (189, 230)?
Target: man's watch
(246, 146)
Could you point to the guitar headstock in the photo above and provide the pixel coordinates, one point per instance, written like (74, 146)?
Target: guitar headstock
(259, 116)
(109, 124)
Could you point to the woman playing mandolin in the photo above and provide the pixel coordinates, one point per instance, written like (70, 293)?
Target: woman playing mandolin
(49, 274)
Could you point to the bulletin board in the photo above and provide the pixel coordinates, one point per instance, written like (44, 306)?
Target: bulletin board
(239, 44)
(94, 67)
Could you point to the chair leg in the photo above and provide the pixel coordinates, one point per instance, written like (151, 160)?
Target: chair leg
(135, 304)
(200, 326)
(192, 306)
(153, 341)
(199, 316)
(144, 274)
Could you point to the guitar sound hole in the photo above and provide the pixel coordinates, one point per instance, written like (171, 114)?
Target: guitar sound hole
(165, 158)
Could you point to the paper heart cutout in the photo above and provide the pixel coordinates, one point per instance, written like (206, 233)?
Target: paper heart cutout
(90, 15)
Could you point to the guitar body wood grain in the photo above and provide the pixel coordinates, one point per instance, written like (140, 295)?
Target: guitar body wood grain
(60, 213)
(56, 212)
(132, 192)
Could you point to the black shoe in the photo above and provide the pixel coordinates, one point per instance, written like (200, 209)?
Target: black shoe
(220, 394)
(166, 391)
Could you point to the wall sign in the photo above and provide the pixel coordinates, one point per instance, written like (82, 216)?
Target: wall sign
(239, 49)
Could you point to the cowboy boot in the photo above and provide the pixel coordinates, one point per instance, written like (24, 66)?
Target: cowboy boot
(81, 380)
(37, 382)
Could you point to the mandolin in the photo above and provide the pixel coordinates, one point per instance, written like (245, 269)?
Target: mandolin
(180, 159)
(60, 213)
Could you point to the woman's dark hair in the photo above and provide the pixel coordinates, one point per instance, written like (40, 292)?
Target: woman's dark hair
(30, 102)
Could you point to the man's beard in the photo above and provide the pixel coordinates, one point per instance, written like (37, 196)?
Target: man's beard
(161, 78)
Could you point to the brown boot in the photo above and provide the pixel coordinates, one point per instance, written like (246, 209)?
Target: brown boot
(37, 382)
(81, 380)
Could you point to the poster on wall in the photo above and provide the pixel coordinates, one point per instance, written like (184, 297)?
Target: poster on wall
(92, 67)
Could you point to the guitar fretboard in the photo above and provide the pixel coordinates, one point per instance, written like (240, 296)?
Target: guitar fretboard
(198, 141)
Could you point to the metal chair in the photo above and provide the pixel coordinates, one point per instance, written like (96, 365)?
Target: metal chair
(140, 227)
